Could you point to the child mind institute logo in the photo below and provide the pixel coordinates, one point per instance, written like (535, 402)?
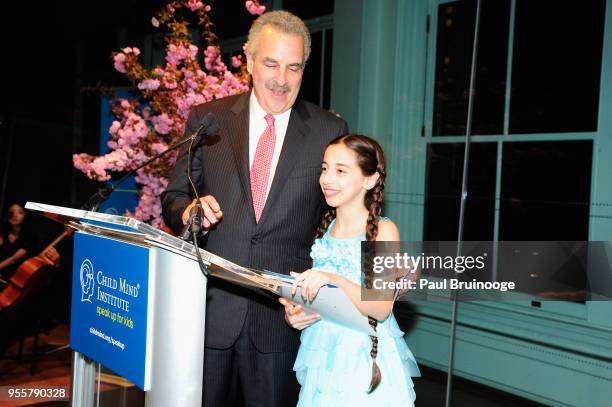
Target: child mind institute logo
(87, 281)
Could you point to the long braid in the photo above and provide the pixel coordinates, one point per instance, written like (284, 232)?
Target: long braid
(326, 219)
(374, 209)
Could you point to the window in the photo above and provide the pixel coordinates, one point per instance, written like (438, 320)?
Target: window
(556, 66)
(455, 35)
(535, 118)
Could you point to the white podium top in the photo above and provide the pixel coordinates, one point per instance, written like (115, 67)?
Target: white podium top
(133, 231)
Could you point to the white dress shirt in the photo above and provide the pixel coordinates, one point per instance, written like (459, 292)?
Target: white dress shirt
(257, 126)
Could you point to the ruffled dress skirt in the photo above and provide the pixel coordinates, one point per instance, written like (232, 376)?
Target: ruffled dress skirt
(334, 367)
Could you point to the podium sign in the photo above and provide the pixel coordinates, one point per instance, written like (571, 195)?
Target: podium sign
(110, 285)
(138, 305)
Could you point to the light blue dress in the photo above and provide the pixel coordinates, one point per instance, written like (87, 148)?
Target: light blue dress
(333, 364)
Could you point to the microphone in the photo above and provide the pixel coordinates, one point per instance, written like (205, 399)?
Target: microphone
(206, 128)
(194, 223)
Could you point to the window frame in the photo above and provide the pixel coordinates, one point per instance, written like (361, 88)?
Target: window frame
(409, 206)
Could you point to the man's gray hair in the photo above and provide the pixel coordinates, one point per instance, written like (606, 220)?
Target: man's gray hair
(282, 21)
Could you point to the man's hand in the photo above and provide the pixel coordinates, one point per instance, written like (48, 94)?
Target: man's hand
(295, 317)
(212, 211)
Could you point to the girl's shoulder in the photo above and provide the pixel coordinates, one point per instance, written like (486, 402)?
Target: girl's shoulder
(387, 230)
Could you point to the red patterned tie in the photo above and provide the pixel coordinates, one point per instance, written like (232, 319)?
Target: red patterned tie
(260, 171)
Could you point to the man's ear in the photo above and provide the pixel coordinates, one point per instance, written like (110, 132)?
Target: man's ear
(371, 180)
(249, 58)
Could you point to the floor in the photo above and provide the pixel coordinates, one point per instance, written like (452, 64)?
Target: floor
(54, 370)
(431, 392)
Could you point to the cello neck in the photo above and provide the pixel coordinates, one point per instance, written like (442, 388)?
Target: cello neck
(56, 241)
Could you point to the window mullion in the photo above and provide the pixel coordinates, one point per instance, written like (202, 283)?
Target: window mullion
(498, 175)
(509, 68)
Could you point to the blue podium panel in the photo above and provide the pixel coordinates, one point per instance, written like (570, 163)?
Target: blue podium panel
(110, 285)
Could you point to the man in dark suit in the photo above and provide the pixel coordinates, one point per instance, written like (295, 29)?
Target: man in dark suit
(258, 182)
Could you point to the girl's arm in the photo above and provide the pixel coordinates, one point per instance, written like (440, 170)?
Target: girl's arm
(312, 280)
(18, 255)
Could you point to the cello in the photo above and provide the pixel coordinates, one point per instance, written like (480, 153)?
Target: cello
(30, 274)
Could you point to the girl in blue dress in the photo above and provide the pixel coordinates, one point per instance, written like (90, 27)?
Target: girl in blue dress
(337, 366)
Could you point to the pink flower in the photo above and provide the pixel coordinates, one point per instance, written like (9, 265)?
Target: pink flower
(149, 206)
(128, 50)
(193, 51)
(154, 22)
(211, 50)
(195, 5)
(254, 8)
(175, 53)
(183, 107)
(192, 84)
(212, 60)
(170, 83)
(150, 84)
(237, 61)
(98, 169)
(114, 127)
(158, 147)
(81, 161)
(163, 123)
(119, 62)
(187, 74)
(134, 129)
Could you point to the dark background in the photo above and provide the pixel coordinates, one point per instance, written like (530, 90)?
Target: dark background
(57, 57)
(54, 53)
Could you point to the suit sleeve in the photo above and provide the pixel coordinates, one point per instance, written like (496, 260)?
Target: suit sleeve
(178, 195)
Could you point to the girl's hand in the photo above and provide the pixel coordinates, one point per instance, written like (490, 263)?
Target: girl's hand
(52, 256)
(295, 317)
(310, 282)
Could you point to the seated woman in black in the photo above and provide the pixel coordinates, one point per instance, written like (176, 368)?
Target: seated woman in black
(15, 241)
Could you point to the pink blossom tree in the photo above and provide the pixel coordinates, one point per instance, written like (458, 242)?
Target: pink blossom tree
(169, 91)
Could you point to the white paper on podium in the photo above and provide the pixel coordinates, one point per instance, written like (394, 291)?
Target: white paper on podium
(331, 303)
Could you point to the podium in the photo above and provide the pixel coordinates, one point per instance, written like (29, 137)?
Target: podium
(138, 306)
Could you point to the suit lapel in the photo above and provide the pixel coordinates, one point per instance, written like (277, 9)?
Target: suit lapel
(290, 152)
(238, 131)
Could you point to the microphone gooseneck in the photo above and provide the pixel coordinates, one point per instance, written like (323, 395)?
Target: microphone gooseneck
(196, 214)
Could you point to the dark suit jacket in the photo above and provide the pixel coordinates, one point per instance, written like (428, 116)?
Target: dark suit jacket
(281, 240)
